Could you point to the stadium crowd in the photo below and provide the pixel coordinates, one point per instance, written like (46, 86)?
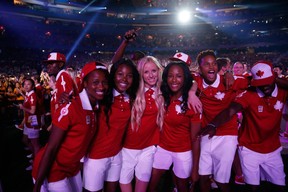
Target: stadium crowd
(61, 82)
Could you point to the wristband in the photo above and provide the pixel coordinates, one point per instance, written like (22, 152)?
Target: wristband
(212, 125)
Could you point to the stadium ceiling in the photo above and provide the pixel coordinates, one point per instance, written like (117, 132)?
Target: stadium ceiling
(141, 12)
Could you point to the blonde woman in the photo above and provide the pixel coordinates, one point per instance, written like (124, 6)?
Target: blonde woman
(143, 132)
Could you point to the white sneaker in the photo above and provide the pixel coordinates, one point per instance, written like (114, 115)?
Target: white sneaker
(29, 156)
(19, 127)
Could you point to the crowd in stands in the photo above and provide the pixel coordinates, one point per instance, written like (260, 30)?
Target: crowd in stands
(19, 65)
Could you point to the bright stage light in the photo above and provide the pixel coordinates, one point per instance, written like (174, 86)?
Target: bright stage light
(184, 16)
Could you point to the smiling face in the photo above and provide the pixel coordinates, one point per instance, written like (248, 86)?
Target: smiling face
(208, 68)
(238, 68)
(123, 78)
(175, 80)
(96, 85)
(150, 74)
(28, 85)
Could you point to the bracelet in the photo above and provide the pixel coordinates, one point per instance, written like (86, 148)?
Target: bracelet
(212, 125)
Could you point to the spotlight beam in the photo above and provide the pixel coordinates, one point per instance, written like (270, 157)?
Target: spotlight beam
(88, 26)
(87, 6)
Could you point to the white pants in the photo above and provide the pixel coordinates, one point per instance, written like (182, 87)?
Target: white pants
(71, 184)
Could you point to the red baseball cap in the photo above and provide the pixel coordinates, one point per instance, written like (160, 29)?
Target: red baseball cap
(262, 73)
(56, 57)
(180, 56)
(91, 66)
(88, 68)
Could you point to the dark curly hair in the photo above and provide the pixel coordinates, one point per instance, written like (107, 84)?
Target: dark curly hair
(203, 54)
(167, 93)
(131, 91)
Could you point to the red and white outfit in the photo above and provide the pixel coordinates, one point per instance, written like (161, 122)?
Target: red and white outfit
(217, 153)
(31, 122)
(78, 119)
(259, 144)
(103, 162)
(64, 83)
(139, 145)
(175, 140)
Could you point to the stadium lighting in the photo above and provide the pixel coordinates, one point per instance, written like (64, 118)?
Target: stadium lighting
(184, 16)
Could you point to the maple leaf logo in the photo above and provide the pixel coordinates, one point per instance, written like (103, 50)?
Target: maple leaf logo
(179, 55)
(219, 95)
(126, 99)
(260, 73)
(278, 106)
(178, 109)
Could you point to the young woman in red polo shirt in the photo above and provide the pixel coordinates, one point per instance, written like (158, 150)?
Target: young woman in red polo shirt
(143, 133)
(178, 144)
(31, 122)
(74, 124)
(102, 166)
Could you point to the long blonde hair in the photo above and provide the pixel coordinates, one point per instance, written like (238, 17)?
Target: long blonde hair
(140, 103)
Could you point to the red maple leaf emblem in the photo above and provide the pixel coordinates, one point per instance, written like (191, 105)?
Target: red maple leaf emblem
(179, 55)
(260, 73)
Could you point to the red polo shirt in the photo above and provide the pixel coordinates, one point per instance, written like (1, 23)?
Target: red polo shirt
(78, 120)
(261, 119)
(148, 132)
(109, 139)
(176, 133)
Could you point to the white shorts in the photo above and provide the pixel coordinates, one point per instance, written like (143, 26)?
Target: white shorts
(216, 157)
(97, 171)
(182, 162)
(139, 161)
(31, 132)
(268, 166)
(66, 185)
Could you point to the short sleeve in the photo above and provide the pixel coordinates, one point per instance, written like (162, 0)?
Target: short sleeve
(33, 100)
(243, 99)
(65, 84)
(62, 115)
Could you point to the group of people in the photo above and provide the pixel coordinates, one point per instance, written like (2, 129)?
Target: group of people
(129, 123)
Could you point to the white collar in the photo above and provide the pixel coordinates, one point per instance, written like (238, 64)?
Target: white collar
(116, 93)
(58, 75)
(273, 94)
(85, 100)
(215, 84)
(29, 93)
(153, 88)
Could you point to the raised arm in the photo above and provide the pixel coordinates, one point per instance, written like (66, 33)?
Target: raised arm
(283, 83)
(129, 36)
